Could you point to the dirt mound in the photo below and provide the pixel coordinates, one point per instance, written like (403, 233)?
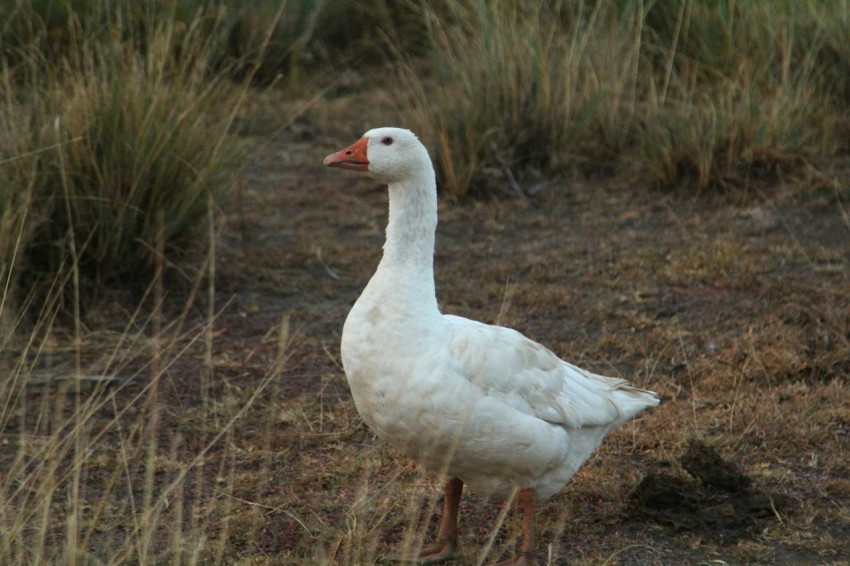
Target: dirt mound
(704, 463)
(722, 504)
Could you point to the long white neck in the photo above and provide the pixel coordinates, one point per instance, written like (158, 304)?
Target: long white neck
(409, 249)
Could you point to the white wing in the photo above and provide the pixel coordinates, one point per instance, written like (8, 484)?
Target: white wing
(506, 365)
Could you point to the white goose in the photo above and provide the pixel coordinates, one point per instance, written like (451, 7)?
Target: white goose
(482, 404)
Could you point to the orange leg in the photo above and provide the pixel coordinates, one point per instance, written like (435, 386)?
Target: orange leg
(446, 547)
(528, 549)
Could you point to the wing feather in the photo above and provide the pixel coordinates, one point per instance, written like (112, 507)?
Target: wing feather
(506, 365)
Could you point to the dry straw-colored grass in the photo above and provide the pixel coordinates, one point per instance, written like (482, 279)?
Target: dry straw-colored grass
(112, 155)
(706, 94)
(89, 473)
(108, 139)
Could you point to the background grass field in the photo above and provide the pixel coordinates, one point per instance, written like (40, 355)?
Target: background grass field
(657, 190)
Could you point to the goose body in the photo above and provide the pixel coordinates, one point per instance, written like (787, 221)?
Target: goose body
(482, 404)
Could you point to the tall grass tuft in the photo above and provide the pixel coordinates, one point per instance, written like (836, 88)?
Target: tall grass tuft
(737, 94)
(506, 89)
(705, 94)
(108, 138)
(20, 212)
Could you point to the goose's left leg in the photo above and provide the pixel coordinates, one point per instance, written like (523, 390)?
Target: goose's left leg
(528, 550)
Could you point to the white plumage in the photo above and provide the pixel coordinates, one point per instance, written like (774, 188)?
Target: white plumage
(482, 404)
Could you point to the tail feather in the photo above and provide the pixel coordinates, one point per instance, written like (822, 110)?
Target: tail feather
(632, 400)
(623, 399)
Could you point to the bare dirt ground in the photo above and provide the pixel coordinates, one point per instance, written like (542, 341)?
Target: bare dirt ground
(737, 311)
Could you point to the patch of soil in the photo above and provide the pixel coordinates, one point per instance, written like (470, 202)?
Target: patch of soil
(718, 502)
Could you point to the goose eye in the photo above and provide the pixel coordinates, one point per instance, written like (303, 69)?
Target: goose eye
(387, 141)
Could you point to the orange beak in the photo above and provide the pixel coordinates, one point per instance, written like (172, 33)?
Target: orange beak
(353, 157)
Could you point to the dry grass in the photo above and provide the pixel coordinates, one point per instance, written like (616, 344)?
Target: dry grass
(722, 118)
(115, 144)
(216, 427)
(710, 95)
(98, 469)
(520, 89)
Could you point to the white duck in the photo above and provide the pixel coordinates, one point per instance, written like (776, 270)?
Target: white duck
(482, 404)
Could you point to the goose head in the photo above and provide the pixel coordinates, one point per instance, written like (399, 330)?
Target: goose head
(390, 155)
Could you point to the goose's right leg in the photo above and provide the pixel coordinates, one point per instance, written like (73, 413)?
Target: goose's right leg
(446, 547)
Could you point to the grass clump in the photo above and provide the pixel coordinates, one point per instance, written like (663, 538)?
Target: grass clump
(113, 153)
(738, 94)
(515, 92)
(135, 138)
(706, 94)
(20, 211)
